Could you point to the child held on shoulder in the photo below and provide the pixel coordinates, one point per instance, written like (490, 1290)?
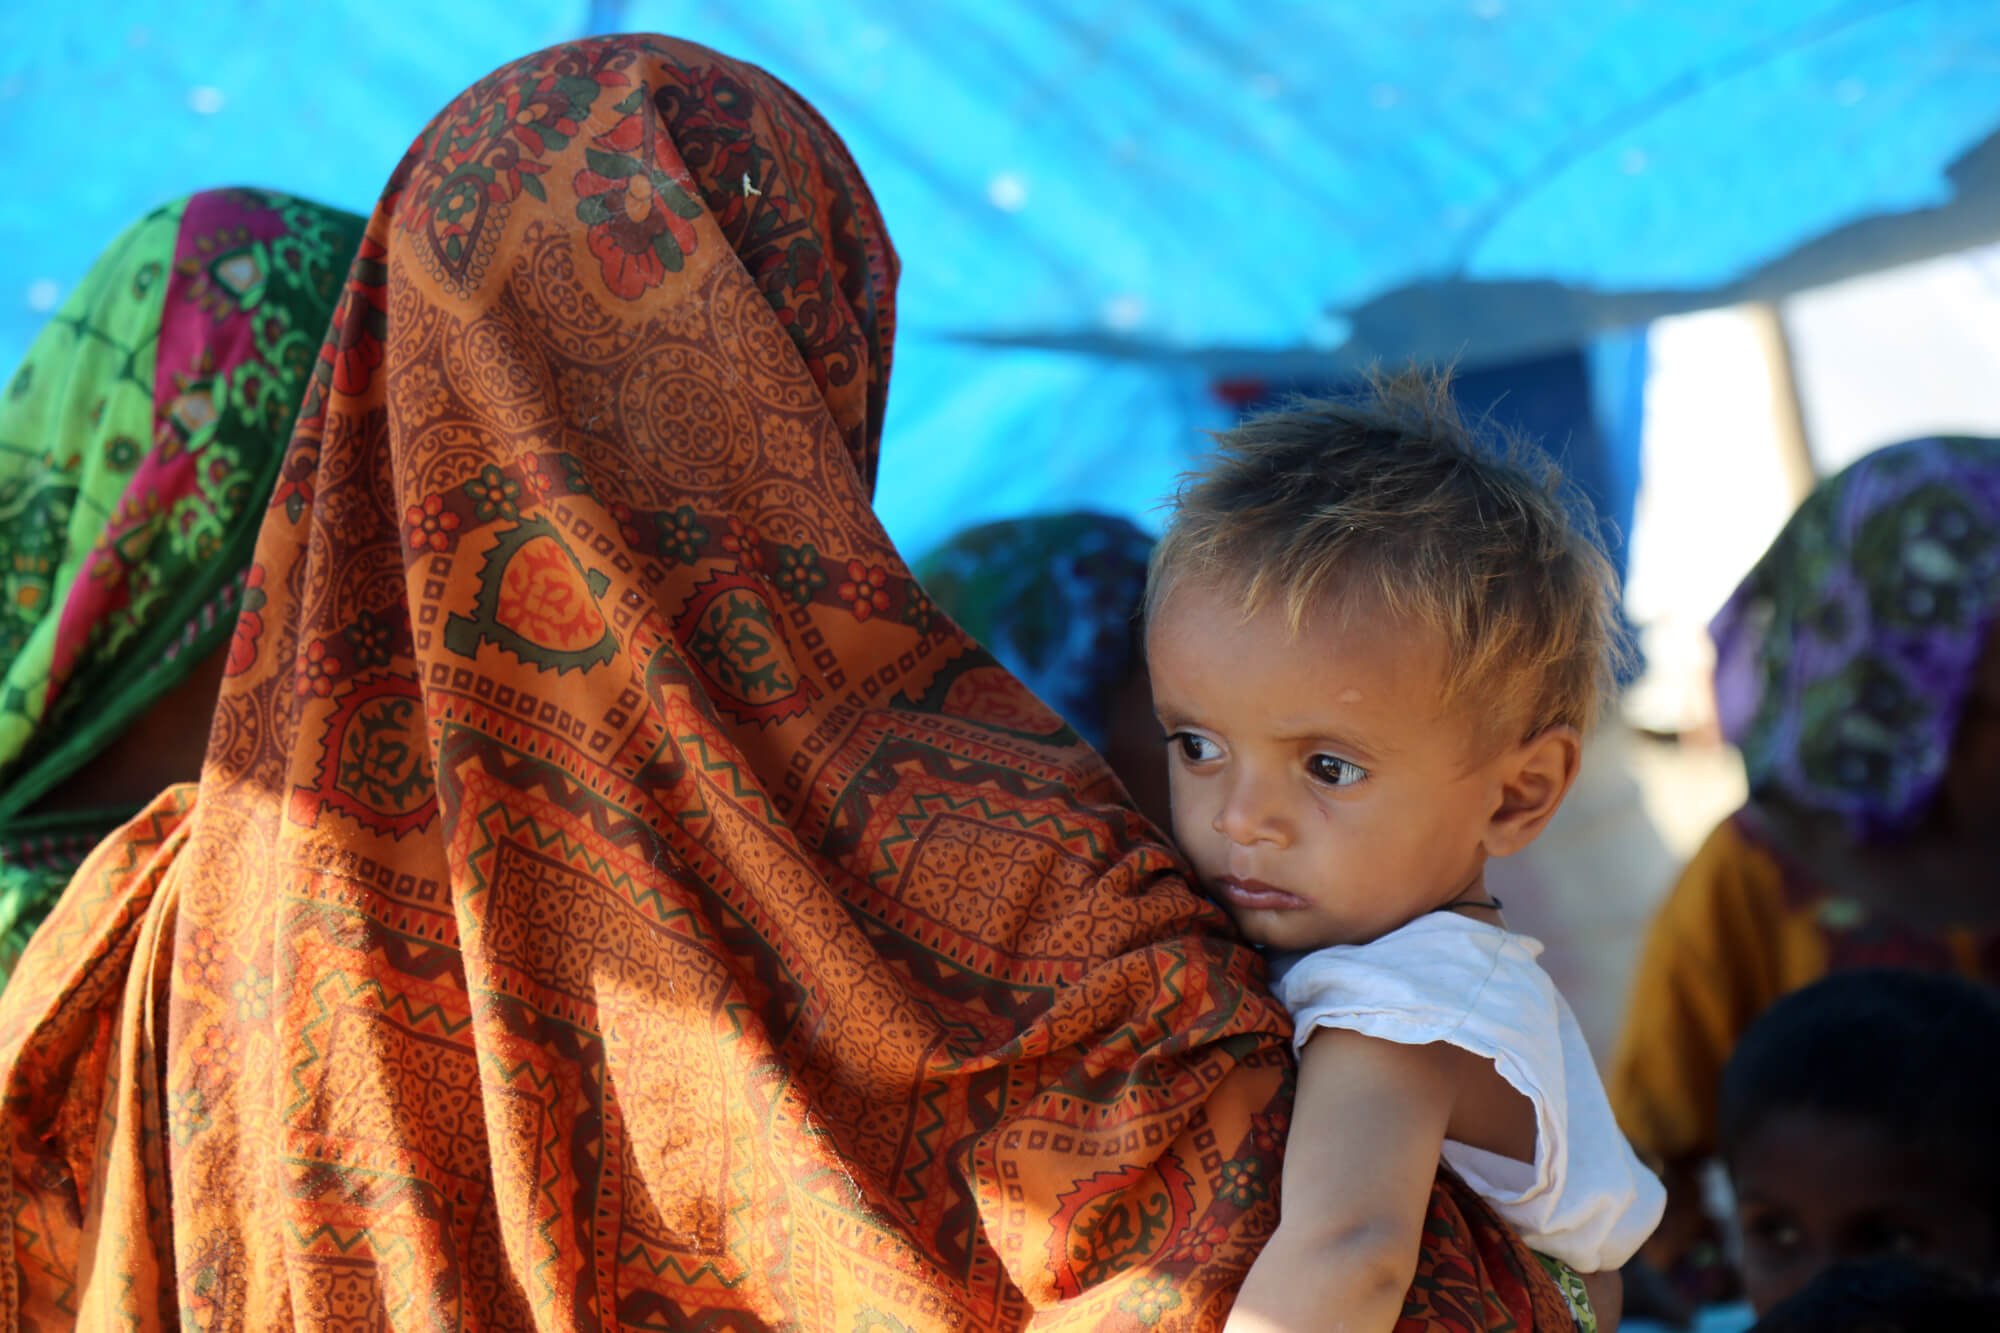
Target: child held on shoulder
(1375, 646)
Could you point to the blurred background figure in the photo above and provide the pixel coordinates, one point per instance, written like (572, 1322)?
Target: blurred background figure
(139, 444)
(1857, 1120)
(1055, 598)
(1858, 674)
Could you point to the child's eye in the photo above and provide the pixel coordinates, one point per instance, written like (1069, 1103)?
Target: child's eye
(1335, 771)
(1195, 749)
(1770, 1233)
(1889, 1238)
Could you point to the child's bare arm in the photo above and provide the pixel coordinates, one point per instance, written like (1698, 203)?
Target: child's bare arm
(1367, 1127)
(1607, 1298)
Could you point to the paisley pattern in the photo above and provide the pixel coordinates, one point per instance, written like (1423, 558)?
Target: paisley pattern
(613, 899)
(137, 443)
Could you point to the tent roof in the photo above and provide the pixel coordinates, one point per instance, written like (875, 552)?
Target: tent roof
(1183, 186)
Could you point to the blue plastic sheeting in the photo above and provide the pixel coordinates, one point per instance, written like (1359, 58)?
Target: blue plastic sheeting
(1151, 179)
(1616, 367)
(108, 109)
(978, 433)
(1194, 173)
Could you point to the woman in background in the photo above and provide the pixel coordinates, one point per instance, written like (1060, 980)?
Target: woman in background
(139, 443)
(1858, 670)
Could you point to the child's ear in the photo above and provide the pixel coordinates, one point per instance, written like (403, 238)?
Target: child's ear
(1534, 777)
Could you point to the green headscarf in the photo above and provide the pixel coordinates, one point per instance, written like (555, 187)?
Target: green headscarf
(139, 443)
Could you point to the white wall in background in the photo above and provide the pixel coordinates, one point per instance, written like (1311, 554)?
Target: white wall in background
(1713, 491)
(1894, 355)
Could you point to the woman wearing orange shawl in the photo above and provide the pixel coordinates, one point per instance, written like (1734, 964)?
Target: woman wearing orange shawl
(614, 897)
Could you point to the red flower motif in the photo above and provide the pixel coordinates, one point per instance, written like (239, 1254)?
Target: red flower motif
(1267, 1131)
(639, 202)
(628, 525)
(206, 965)
(865, 589)
(363, 320)
(535, 476)
(919, 610)
(216, 1049)
(743, 543)
(316, 670)
(295, 486)
(1198, 1242)
(430, 523)
(538, 114)
(249, 625)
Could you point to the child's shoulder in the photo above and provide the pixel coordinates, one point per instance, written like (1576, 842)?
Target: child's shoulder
(1460, 948)
(1440, 978)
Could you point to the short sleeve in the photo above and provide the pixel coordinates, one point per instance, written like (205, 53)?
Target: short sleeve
(1585, 1198)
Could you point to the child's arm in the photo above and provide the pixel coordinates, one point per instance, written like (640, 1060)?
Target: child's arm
(1607, 1298)
(1368, 1126)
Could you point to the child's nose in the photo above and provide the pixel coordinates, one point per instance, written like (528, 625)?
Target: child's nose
(1249, 814)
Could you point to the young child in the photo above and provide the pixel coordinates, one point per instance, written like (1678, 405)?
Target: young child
(1860, 1116)
(1375, 646)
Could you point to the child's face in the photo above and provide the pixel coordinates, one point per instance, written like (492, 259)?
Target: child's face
(1322, 793)
(1813, 1189)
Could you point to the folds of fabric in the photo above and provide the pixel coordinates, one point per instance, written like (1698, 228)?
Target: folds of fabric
(615, 897)
(138, 442)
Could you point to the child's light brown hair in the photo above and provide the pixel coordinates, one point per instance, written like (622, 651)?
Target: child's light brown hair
(1387, 498)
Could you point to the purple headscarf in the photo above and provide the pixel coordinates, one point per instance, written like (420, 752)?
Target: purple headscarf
(1844, 660)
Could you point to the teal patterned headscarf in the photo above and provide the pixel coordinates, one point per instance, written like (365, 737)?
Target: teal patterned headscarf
(1844, 661)
(1055, 598)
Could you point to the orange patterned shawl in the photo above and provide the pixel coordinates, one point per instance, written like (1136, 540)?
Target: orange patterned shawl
(615, 898)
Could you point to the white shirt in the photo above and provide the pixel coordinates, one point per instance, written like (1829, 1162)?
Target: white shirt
(1586, 1199)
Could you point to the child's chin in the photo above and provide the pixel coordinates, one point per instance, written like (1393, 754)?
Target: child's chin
(1277, 930)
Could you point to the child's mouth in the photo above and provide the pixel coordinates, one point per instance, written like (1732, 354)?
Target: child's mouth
(1254, 895)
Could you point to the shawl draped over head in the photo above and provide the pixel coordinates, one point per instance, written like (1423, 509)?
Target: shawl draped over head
(137, 444)
(1055, 597)
(615, 898)
(1844, 661)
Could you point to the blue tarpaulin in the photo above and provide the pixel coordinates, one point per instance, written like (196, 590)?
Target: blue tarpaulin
(1102, 205)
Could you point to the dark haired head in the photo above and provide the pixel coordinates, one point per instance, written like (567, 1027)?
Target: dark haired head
(1886, 1295)
(1858, 1121)
(1911, 1053)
